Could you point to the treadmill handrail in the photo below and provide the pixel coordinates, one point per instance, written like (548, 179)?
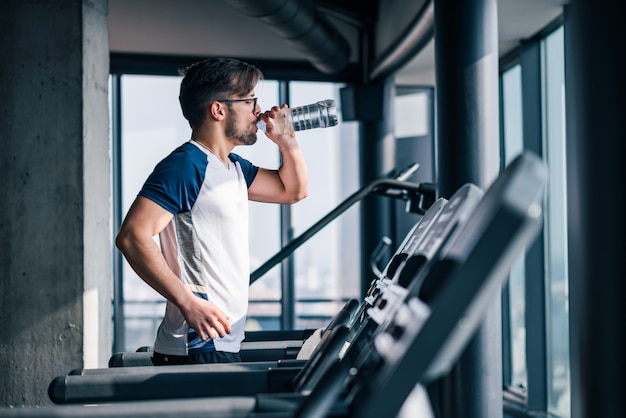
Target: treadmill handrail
(387, 187)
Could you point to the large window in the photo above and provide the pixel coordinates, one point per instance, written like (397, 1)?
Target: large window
(152, 125)
(325, 270)
(537, 321)
(556, 228)
(513, 146)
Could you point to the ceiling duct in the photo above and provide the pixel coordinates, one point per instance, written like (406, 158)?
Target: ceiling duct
(299, 23)
(408, 45)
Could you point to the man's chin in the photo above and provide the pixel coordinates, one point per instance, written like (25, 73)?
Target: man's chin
(251, 140)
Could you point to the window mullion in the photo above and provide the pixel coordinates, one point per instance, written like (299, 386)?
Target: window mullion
(536, 310)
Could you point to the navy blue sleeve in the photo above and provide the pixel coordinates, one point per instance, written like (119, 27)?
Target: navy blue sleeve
(176, 180)
(249, 169)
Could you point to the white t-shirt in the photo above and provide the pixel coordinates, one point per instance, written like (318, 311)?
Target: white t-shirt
(206, 242)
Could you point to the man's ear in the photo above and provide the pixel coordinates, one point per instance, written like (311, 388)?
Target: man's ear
(217, 110)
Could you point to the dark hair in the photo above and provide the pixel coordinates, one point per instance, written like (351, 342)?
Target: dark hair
(213, 79)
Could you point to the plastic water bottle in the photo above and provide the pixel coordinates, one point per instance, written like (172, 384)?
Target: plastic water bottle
(322, 114)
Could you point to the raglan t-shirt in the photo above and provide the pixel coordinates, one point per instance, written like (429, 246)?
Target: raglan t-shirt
(206, 242)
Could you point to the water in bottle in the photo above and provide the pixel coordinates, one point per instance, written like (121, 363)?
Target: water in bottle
(322, 114)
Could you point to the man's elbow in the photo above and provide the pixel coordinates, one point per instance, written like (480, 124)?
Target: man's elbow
(121, 241)
(296, 197)
(301, 195)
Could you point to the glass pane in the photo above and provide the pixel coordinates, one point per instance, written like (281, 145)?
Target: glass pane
(556, 227)
(513, 146)
(413, 130)
(411, 114)
(327, 266)
(264, 314)
(152, 126)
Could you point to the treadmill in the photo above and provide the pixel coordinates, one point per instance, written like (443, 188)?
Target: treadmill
(117, 384)
(421, 341)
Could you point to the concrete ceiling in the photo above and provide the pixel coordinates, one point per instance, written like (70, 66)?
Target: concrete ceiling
(217, 28)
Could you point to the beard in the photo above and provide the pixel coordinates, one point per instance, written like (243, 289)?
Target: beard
(243, 137)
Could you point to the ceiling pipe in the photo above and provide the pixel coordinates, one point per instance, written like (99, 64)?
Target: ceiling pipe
(299, 23)
(408, 45)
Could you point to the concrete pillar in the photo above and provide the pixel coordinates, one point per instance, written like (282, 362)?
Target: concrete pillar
(466, 54)
(595, 87)
(55, 228)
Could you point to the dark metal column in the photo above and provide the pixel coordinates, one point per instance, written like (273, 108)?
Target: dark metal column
(287, 272)
(468, 151)
(374, 104)
(534, 264)
(595, 88)
(119, 323)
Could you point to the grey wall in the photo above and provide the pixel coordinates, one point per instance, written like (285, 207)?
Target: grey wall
(55, 228)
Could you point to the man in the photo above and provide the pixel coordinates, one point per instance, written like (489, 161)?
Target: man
(196, 200)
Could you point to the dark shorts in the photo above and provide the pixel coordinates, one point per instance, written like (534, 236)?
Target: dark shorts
(159, 359)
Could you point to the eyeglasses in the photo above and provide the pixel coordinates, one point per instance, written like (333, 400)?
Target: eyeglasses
(246, 101)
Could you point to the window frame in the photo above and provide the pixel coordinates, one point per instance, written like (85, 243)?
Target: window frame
(535, 397)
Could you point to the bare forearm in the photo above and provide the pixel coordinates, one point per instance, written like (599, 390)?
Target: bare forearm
(293, 173)
(289, 183)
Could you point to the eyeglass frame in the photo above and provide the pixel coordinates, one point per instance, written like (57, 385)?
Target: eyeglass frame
(253, 99)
